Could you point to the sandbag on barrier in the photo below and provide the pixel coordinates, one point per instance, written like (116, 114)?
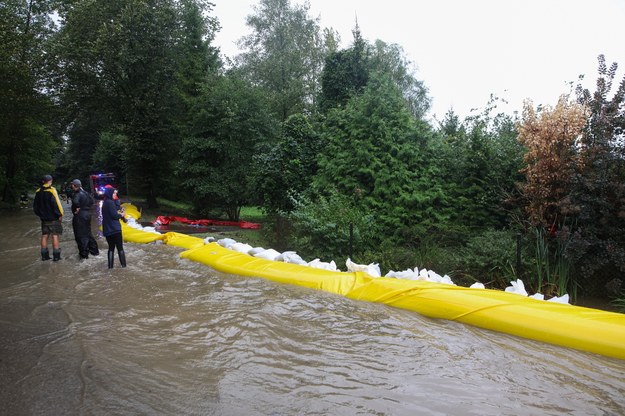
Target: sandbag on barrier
(232, 262)
(585, 329)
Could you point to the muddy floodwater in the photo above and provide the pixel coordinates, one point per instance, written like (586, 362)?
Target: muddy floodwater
(167, 336)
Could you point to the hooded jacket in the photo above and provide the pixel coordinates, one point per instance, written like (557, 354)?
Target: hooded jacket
(47, 204)
(110, 214)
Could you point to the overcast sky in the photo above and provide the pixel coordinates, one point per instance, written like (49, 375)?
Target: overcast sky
(466, 50)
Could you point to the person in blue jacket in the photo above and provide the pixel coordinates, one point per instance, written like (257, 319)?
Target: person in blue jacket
(111, 227)
(48, 208)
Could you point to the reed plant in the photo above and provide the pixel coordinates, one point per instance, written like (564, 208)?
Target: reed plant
(553, 268)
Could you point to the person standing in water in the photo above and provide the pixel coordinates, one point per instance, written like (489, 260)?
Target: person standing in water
(82, 203)
(111, 227)
(49, 209)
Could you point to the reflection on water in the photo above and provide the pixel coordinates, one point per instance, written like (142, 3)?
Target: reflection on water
(168, 336)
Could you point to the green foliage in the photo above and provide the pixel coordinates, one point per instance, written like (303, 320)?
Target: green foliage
(284, 55)
(372, 153)
(27, 128)
(131, 67)
(216, 159)
(391, 60)
(110, 154)
(322, 227)
(286, 169)
(597, 200)
(345, 74)
(479, 163)
(553, 268)
(489, 257)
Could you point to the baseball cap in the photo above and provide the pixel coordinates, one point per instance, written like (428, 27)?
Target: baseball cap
(76, 182)
(46, 178)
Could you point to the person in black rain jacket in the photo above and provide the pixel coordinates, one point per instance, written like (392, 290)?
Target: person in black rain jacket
(82, 204)
(48, 208)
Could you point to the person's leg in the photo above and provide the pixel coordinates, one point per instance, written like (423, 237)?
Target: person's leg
(44, 241)
(45, 253)
(56, 248)
(119, 242)
(111, 251)
(92, 244)
(81, 236)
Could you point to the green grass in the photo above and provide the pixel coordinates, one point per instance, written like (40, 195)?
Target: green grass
(167, 207)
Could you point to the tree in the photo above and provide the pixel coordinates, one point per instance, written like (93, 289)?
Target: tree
(390, 59)
(216, 158)
(598, 188)
(345, 74)
(285, 170)
(373, 152)
(284, 55)
(550, 138)
(27, 130)
(132, 68)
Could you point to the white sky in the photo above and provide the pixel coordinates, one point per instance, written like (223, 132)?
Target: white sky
(466, 50)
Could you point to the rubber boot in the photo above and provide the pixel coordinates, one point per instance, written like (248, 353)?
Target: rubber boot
(122, 258)
(45, 254)
(56, 253)
(111, 258)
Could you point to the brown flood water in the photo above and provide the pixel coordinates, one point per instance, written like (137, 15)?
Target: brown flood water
(167, 336)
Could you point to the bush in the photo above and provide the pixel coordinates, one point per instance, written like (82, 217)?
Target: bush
(490, 258)
(321, 228)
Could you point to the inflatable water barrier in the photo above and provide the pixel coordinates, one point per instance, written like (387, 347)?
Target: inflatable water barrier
(581, 328)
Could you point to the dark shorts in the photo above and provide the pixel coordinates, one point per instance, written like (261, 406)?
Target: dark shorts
(52, 227)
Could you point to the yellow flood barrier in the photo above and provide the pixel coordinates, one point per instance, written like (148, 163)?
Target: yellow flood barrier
(585, 329)
(570, 326)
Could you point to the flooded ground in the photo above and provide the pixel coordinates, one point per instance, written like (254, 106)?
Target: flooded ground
(166, 336)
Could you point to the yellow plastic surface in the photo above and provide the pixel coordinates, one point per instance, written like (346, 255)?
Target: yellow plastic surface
(571, 326)
(585, 329)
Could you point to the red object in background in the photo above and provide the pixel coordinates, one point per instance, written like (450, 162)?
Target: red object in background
(164, 220)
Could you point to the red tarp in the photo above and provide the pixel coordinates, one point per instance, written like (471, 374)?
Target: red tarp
(164, 220)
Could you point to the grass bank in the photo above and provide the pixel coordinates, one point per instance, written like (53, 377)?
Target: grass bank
(173, 208)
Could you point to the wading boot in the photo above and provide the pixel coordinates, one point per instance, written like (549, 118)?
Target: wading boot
(122, 258)
(45, 254)
(56, 253)
(111, 258)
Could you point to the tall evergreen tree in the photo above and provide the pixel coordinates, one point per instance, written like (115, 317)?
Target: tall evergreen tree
(373, 152)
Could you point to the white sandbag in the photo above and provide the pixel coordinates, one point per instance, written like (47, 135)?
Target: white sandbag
(407, 274)
(255, 251)
(318, 264)
(538, 296)
(477, 285)
(562, 299)
(209, 239)
(269, 254)
(372, 269)
(241, 247)
(226, 242)
(291, 257)
(517, 287)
